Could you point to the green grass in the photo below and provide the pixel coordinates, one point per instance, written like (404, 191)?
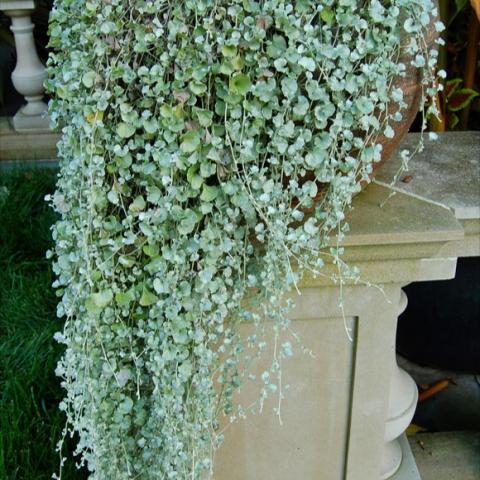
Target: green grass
(30, 422)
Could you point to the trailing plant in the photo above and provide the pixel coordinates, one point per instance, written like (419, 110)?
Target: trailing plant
(196, 137)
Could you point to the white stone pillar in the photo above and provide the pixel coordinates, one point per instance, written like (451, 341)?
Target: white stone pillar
(29, 73)
(401, 408)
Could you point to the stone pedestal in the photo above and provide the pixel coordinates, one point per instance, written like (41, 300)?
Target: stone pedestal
(346, 410)
(29, 73)
(401, 408)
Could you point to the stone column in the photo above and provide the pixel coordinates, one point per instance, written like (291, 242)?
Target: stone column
(29, 73)
(401, 408)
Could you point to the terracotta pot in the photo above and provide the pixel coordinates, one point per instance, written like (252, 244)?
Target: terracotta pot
(411, 85)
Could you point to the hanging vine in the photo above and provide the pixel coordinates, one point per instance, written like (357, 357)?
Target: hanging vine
(208, 151)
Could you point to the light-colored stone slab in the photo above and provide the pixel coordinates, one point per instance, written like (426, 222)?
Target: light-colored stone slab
(34, 145)
(469, 246)
(397, 239)
(311, 442)
(31, 123)
(447, 455)
(378, 218)
(446, 172)
(6, 5)
(408, 468)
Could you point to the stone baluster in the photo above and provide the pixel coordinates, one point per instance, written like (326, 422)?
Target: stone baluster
(29, 73)
(401, 407)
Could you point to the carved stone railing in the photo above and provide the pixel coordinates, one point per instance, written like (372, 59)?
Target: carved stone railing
(29, 73)
(346, 411)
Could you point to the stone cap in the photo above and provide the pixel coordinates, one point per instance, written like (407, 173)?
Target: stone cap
(17, 5)
(447, 172)
(383, 216)
(415, 228)
(394, 238)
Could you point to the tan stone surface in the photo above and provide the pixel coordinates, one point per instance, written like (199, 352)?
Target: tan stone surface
(398, 239)
(335, 411)
(446, 172)
(26, 146)
(377, 218)
(312, 439)
(447, 455)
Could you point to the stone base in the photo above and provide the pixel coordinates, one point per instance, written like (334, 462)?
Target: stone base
(31, 145)
(408, 469)
(31, 123)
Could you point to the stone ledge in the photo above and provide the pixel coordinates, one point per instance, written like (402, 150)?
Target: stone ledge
(447, 172)
(32, 145)
(379, 218)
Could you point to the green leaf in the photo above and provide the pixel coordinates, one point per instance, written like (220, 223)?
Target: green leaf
(459, 6)
(365, 105)
(151, 250)
(277, 46)
(302, 106)
(198, 88)
(207, 169)
(124, 298)
(185, 369)
(289, 87)
(148, 298)
(138, 204)
(99, 300)
(327, 15)
(190, 141)
(158, 286)
(150, 125)
(126, 406)
(125, 130)
(155, 265)
(316, 158)
(180, 337)
(227, 68)
(196, 182)
(461, 99)
(88, 79)
(315, 92)
(209, 193)
(166, 111)
(188, 222)
(154, 194)
(229, 51)
(310, 226)
(124, 162)
(238, 62)
(191, 172)
(308, 63)
(240, 84)
(204, 116)
(452, 120)
(451, 86)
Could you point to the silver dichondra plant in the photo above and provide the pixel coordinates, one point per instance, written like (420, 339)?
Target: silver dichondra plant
(196, 135)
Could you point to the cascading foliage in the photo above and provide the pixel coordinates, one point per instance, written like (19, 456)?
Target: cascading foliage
(196, 135)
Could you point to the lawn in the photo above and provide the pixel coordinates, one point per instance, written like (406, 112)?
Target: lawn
(30, 422)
